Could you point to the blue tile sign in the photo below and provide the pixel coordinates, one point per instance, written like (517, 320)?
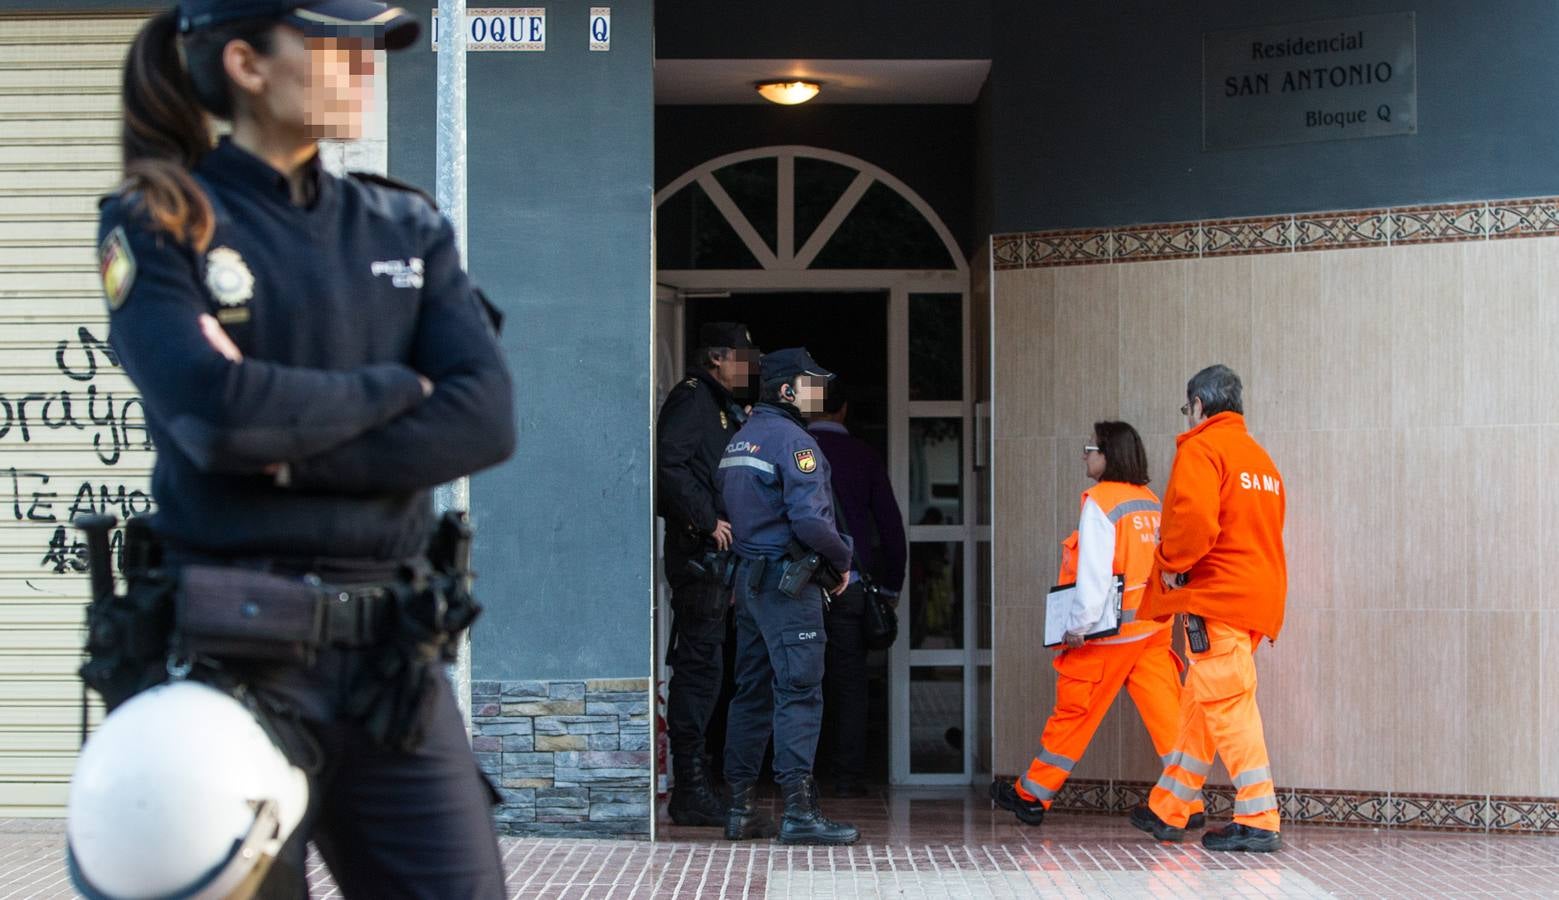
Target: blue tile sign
(1327, 80)
(504, 28)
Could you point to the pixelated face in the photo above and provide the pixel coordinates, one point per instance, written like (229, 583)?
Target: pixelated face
(735, 369)
(320, 85)
(340, 87)
(810, 390)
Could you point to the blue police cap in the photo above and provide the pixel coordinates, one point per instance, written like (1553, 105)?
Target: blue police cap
(386, 26)
(783, 365)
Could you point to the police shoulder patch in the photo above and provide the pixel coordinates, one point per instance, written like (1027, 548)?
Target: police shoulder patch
(806, 461)
(116, 267)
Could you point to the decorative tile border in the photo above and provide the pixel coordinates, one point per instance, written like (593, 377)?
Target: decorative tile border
(1341, 230)
(1180, 241)
(1067, 248)
(1349, 809)
(1326, 231)
(568, 757)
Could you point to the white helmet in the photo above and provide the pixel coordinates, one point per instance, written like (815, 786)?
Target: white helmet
(180, 792)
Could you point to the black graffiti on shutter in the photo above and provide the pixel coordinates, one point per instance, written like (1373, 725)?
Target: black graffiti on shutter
(115, 423)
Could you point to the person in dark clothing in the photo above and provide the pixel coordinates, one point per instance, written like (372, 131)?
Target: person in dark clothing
(313, 361)
(865, 496)
(696, 422)
(775, 483)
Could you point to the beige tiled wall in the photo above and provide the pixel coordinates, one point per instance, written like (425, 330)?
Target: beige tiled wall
(1410, 394)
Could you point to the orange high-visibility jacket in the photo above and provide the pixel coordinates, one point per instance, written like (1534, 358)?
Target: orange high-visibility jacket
(1134, 511)
(1222, 523)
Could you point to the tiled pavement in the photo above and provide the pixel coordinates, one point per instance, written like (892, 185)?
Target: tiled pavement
(948, 844)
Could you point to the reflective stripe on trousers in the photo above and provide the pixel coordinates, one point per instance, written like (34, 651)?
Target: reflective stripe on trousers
(1219, 699)
(1088, 680)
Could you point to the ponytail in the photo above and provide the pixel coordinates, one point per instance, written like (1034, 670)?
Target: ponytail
(168, 108)
(166, 131)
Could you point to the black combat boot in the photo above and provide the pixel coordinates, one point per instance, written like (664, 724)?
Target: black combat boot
(804, 823)
(743, 820)
(693, 800)
(1243, 837)
(1143, 818)
(1005, 795)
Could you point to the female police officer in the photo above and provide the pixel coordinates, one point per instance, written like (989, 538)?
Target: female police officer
(313, 361)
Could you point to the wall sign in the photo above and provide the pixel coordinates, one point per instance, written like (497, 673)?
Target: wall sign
(502, 28)
(1310, 81)
(600, 28)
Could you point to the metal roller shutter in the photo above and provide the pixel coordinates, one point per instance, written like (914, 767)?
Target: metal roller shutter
(72, 438)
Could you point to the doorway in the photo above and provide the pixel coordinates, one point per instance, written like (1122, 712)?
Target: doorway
(821, 232)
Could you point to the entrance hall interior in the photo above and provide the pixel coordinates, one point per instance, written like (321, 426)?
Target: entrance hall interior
(814, 247)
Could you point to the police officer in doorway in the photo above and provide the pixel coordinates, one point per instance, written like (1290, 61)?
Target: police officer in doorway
(313, 361)
(791, 557)
(696, 422)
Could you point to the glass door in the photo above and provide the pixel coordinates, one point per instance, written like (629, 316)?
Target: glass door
(941, 661)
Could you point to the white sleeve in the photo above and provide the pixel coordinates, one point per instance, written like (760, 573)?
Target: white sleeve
(1095, 565)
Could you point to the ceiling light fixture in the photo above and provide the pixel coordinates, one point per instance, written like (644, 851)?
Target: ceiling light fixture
(788, 92)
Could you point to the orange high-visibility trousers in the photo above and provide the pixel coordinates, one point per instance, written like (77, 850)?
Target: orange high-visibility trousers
(1218, 715)
(1088, 679)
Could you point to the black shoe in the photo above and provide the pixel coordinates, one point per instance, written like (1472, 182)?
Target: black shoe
(693, 800)
(743, 820)
(1243, 837)
(1145, 819)
(849, 789)
(1196, 822)
(804, 823)
(1005, 795)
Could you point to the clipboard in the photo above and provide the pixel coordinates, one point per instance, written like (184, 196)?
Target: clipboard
(1058, 606)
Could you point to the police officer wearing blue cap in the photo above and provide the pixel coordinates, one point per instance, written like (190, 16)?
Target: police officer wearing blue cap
(313, 361)
(791, 557)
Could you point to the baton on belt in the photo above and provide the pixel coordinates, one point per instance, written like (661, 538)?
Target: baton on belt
(99, 561)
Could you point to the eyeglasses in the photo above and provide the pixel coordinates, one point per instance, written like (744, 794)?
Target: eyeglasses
(1185, 409)
(1090, 448)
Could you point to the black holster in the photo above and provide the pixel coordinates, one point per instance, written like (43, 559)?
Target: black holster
(395, 690)
(804, 567)
(127, 634)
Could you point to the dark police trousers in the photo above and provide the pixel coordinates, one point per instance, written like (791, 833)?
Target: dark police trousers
(844, 685)
(697, 660)
(389, 824)
(779, 650)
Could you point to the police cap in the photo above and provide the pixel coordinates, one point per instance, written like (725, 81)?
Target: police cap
(725, 334)
(386, 26)
(783, 365)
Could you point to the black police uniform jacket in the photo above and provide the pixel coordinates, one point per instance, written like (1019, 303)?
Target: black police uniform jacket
(696, 422)
(337, 306)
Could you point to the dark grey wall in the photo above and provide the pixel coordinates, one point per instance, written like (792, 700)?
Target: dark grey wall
(1096, 114)
(560, 146)
(49, 6)
(929, 148)
(823, 29)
